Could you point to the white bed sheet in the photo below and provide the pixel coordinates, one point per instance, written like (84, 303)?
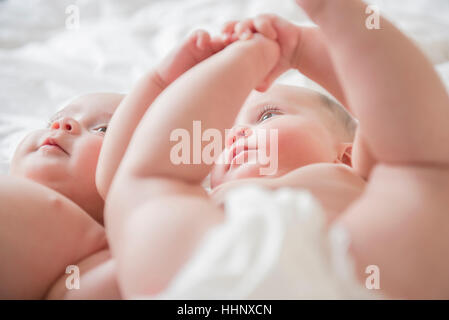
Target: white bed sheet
(42, 64)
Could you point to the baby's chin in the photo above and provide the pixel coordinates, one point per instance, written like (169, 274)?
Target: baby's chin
(243, 171)
(45, 174)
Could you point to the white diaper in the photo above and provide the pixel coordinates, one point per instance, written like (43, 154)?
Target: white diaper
(272, 245)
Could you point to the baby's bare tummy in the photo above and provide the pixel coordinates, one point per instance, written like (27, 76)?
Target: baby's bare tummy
(335, 186)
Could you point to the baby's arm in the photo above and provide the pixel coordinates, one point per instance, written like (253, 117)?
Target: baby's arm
(196, 48)
(156, 210)
(97, 281)
(400, 223)
(41, 233)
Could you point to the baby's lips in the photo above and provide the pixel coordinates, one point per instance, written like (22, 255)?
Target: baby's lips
(53, 142)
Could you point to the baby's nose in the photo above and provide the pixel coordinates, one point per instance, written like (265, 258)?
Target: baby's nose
(67, 124)
(239, 132)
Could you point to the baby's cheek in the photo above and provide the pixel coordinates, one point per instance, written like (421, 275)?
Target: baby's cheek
(87, 151)
(28, 145)
(292, 146)
(302, 146)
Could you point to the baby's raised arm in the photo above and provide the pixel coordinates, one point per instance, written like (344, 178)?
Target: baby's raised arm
(156, 211)
(41, 234)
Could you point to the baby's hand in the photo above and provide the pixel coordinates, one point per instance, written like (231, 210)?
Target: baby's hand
(196, 48)
(275, 28)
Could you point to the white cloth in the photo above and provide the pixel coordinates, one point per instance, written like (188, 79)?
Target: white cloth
(272, 245)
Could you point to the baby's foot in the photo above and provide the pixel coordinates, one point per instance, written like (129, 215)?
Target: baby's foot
(196, 48)
(275, 28)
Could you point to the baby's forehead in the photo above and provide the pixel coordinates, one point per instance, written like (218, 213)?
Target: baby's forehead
(91, 105)
(292, 98)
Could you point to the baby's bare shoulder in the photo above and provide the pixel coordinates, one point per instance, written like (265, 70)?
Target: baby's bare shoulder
(42, 232)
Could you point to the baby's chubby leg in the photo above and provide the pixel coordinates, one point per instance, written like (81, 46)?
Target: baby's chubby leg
(157, 211)
(400, 223)
(389, 84)
(190, 52)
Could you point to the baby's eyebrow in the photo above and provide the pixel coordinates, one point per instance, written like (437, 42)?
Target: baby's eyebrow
(253, 111)
(104, 116)
(100, 117)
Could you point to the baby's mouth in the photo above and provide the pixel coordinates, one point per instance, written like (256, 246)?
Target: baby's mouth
(52, 143)
(234, 154)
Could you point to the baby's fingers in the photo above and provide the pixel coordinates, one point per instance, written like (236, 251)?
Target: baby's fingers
(217, 44)
(228, 27)
(263, 25)
(205, 43)
(227, 31)
(202, 39)
(244, 29)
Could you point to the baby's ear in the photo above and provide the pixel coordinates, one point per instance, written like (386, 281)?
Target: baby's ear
(345, 153)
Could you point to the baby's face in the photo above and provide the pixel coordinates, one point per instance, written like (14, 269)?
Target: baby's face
(303, 130)
(64, 155)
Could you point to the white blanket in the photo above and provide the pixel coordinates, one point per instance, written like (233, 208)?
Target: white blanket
(272, 245)
(43, 64)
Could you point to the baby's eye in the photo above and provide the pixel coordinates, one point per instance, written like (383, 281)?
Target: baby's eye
(266, 116)
(101, 129)
(268, 112)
